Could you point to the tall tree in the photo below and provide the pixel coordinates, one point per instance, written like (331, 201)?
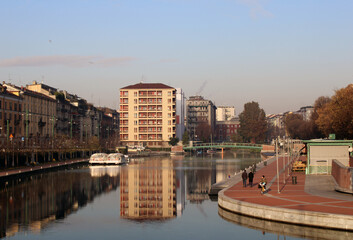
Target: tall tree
(253, 125)
(185, 138)
(173, 141)
(319, 104)
(297, 127)
(336, 116)
(203, 131)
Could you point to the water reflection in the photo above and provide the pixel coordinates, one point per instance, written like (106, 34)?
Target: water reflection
(150, 189)
(31, 203)
(283, 229)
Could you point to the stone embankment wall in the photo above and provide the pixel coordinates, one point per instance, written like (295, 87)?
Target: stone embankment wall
(343, 176)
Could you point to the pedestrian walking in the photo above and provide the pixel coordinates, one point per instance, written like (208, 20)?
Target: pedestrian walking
(244, 176)
(254, 167)
(251, 178)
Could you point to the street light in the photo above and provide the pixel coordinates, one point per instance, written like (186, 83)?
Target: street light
(70, 122)
(53, 119)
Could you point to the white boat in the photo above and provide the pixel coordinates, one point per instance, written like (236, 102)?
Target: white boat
(211, 151)
(103, 158)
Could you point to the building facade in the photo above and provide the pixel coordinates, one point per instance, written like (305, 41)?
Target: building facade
(306, 112)
(200, 112)
(224, 113)
(10, 116)
(39, 115)
(180, 113)
(147, 114)
(226, 129)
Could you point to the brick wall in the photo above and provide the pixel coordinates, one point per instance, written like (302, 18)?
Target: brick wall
(268, 148)
(342, 175)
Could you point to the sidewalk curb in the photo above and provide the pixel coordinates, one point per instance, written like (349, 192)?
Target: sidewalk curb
(299, 217)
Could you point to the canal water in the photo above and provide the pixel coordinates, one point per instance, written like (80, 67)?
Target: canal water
(151, 198)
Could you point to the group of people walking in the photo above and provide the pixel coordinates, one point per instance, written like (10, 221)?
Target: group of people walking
(245, 176)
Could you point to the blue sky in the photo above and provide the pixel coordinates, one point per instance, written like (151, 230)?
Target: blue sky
(281, 54)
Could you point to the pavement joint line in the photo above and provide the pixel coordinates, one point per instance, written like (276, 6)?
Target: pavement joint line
(310, 203)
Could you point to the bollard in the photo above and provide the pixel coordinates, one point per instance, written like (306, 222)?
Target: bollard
(294, 179)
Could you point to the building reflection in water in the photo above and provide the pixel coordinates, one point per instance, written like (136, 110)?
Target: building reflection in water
(31, 203)
(283, 229)
(149, 191)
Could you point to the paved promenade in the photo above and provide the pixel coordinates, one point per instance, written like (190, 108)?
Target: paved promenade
(41, 167)
(312, 201)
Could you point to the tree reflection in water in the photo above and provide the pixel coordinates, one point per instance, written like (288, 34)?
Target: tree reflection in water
(30, 203)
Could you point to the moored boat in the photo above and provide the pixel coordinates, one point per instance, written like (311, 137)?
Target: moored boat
(103, 158)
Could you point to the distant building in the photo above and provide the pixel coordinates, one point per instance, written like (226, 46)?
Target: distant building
(109, 127)
(226, 129)
(277, 120)
(199, 111)
(147, 114)
(306, 112)
(224, 113)
(39, 114)
(10, 115)
(180, 113)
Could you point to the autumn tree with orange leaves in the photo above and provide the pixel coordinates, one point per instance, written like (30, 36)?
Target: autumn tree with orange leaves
(336, 116)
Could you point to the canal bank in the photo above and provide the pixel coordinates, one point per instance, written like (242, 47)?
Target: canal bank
(310, 201)
(41, 167)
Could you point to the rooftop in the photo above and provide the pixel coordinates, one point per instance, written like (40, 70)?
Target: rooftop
(147, 86)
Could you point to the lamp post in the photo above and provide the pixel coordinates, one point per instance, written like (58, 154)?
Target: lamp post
(70, 128)
(7, 130)
(52, 143)
(277, 165)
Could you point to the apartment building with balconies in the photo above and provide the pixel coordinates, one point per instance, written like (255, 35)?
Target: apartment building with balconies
(147, 114)
(200, 113)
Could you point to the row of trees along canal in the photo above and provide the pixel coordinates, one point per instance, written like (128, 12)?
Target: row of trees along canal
(331, 115)
(32, 150)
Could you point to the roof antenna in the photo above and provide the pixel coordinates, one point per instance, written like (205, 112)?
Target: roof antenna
(142, 79)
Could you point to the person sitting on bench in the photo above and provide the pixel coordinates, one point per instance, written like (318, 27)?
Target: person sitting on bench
(263, 183)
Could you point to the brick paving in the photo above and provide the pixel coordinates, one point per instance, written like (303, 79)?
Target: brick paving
(291, 196)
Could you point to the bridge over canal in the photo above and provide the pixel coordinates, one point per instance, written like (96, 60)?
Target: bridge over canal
(223, 146)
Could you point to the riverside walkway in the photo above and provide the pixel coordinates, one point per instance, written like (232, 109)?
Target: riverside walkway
(312, 201)
(41, 167)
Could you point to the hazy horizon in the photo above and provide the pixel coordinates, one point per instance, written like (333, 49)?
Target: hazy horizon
(283, 55)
